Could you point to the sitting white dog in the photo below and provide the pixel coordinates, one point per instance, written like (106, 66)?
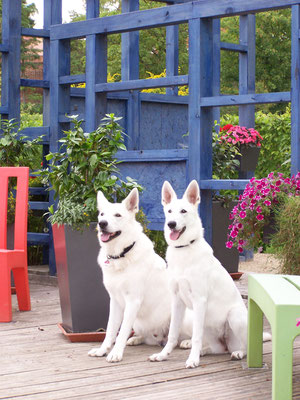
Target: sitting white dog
(135, 278)
(199, 282)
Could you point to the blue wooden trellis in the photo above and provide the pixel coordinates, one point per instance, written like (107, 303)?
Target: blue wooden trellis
(153, 152)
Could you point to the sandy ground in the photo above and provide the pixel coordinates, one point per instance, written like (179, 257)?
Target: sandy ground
(264, 263)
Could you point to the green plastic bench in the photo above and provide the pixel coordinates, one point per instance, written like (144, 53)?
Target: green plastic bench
(278, 298)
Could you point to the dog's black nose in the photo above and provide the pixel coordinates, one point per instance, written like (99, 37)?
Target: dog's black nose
(103, 224)
(172, 224)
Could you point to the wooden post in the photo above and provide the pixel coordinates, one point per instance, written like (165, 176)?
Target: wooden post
(95, 71)
(11, 60)
(295, 92)
(172, 36)
(130, 71)
(200, 118)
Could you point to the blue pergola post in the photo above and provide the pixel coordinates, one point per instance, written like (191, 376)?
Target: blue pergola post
(201, 118)
(247, 71)
(172, 36)
(11, 66)
(295, 92)
(130, 71)
(95, 72)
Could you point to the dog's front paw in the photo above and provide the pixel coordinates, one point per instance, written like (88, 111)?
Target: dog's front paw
(192, 362)
(186, 344)
(158, 357)
(98, 351)
(237, 355)
(114, 356)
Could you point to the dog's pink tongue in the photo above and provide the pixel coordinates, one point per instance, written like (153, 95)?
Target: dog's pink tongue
(174, 235)
(105, 237)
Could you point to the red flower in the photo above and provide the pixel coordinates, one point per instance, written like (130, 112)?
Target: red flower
(226, 127)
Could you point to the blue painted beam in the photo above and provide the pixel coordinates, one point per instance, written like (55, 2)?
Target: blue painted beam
(235, 100)
(4, 48)
(37, 191)
(4, 110)
(39, 205)
(33, 32)
(234, 47)
(71, 79)
(164, 16)
(34, 132)
(38, 83)
(153, 155)
(37, 238)
(143, 84)
(295, 90)
(221, 184)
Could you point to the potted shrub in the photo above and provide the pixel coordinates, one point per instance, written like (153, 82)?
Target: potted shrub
(256, 207)
(225, 166)
(84, 164)
(248, 141)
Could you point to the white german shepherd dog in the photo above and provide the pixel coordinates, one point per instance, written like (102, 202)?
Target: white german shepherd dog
(135, 278)
(199, 282)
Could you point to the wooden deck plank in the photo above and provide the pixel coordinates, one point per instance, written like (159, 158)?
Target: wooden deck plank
(39, 363)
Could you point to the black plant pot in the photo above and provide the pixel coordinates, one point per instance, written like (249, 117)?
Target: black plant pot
(83, 297)
(249, 158)
(229, 258)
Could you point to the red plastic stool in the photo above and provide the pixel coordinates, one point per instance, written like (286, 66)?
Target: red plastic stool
(14, 260)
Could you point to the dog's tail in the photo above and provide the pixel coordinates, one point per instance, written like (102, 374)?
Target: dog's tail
(267, 336)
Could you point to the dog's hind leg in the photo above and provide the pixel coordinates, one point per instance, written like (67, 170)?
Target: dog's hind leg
(135, 340)
(237, 333)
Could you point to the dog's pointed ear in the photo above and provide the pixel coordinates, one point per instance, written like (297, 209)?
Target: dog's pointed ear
(192, 193)
(132, 201)
(101, 199)
(167, 193)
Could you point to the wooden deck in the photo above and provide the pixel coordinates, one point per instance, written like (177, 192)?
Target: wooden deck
(39, 363)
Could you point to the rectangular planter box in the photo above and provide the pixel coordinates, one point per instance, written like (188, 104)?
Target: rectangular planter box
(229, 258)
(83, 297)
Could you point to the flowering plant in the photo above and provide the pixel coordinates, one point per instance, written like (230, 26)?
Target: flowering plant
(255, 205)
(235, 134)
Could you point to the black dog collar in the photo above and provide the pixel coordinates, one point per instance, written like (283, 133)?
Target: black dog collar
(125, 251)
(185, 245)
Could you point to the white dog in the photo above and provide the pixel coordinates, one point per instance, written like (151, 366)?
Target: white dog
(199, 282)
(135, 278)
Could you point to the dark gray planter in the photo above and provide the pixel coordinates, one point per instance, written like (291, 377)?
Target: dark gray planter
(83, 297)
(249, 158)
(229, 258)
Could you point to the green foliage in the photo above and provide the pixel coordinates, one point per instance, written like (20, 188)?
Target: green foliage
(15, 149)
(275, 153)
(286, 241)
(85, 164)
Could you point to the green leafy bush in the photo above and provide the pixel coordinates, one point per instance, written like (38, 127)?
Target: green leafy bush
(85, 164)
(286, 240)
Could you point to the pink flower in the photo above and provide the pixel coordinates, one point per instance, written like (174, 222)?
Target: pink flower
(260, 217)
(243, 214)
(240, 249)
(233, 234)
(267, 202)
(229, 244)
